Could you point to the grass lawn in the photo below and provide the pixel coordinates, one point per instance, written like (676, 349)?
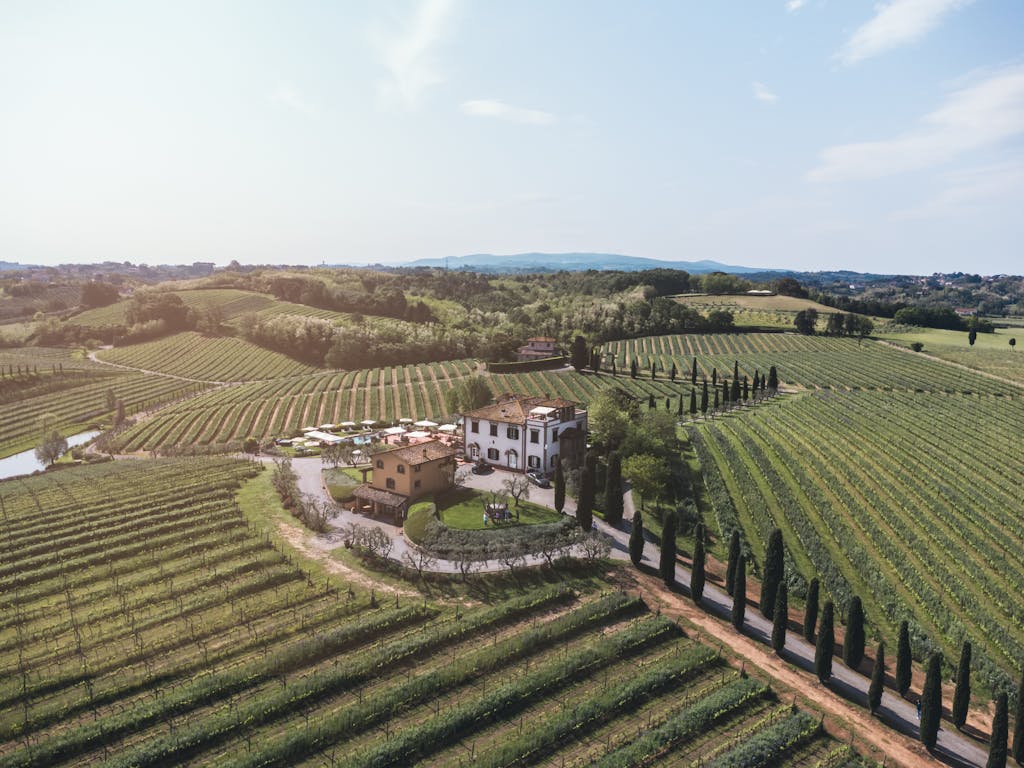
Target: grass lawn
(341, 481)
(464, 508)
(991, 352)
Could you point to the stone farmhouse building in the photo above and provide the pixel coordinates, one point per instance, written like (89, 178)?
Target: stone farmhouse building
(404, 475)
(537, 348)
(526, 433)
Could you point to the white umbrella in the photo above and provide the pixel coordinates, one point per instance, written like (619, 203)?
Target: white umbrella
(357, 452)
(326, 427)
(308, 429)
(347, 424)
(368, 422)
(394, 431)
(447, 428)
(418, 434)
(405, 421)
(426, 423)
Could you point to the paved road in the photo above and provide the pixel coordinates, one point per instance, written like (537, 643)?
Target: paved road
(952, 748)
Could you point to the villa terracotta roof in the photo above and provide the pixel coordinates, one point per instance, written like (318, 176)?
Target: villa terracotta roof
(379, 496)
(515, 409)
(542, 338)
(421, 453)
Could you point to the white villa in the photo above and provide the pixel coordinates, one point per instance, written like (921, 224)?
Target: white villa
(526, 433)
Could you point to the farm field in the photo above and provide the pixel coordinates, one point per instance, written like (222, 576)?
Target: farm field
(195, 356)
(761, 311)
(72, 391)
(991, 352)
(199, 643)
(888, 496)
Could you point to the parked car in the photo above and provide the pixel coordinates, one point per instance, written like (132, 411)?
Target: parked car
(538, 478)
(482, 468)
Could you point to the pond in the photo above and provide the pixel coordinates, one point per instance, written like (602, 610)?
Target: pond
(25, 463)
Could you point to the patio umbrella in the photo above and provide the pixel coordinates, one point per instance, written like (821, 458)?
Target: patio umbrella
(426, 423)
(419, 434)
(368, 422)
(308, 429)
(405, 421)
(447, 428)
(347, 424)
(394, 431)
(326, 427)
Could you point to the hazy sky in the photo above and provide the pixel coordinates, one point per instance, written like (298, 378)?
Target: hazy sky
(808, 134)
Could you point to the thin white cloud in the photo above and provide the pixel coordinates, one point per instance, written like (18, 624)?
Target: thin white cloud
(980, 115)
(502, 111)
(896, 23)
(410, 54)
(762, 94)
(970, 191)
(795, 5)
(288, 96)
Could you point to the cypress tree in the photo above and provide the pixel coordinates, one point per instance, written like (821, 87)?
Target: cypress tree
(613, 490)
(757, 383)
(739, 597)
(826, 645)
(633, 369)
(773, 379)
(679, 411)
(734, 394)
(773, 572)
(715, 406)
(652, 371)
(614, 372)
(650, 400)
(877, 680)
(997, 745)
(559, 487)
(781, 617)
(672, 373)
(693, 403)
(962, 694)
(735, 370)
(725, 393)
(668, 404)
(853, 645)
(585, 499)
(1018, 724)
(714, 377)
(636, 539)
(693, 372)
(734, 556)
(704, 398)
(903, 660)
(667, 565)
(697, 576)
(931, 702)
(811, 615)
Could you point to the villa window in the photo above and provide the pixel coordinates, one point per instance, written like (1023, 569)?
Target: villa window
(417, 468)
(494, 430)
(416, 484)
(533, 461)
(554, 435)
(513, 433)
(492, 454)
(390, 483)
(401, 469)
(474, 426)
(380, 463)
(534, 435)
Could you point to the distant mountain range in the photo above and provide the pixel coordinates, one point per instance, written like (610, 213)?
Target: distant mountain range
(575, 262)
(10, 265)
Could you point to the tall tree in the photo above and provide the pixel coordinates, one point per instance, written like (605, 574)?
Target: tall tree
(931, 702)
(735, 370)
(853, 644)
(714, 408)
(962, 694)
(672, 373)
(1018, 724)
(636, 539)
(781, 617)
(714, 377)
(697, 575)
(559, 487)
(734, 556)
(595, 360)
(997, 744)
(693, 372)
(614, 371)
(739, 594)
(679, 410)
(774, 572)
(667, 565)
(903, 660)
(826, 645)
(972, 336)
(877, 680)
(757, 383)
(633, 368)
(579, 356)
(693, 403)
(773, 379)
(51, 447)
(650, 400)
(613, 490)
(585, 495)
(704, 399)
(811, 614)
(746, 388)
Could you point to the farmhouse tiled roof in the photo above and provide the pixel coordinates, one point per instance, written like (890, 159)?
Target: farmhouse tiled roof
(421, 453)
(379, 496)
(513, 409)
